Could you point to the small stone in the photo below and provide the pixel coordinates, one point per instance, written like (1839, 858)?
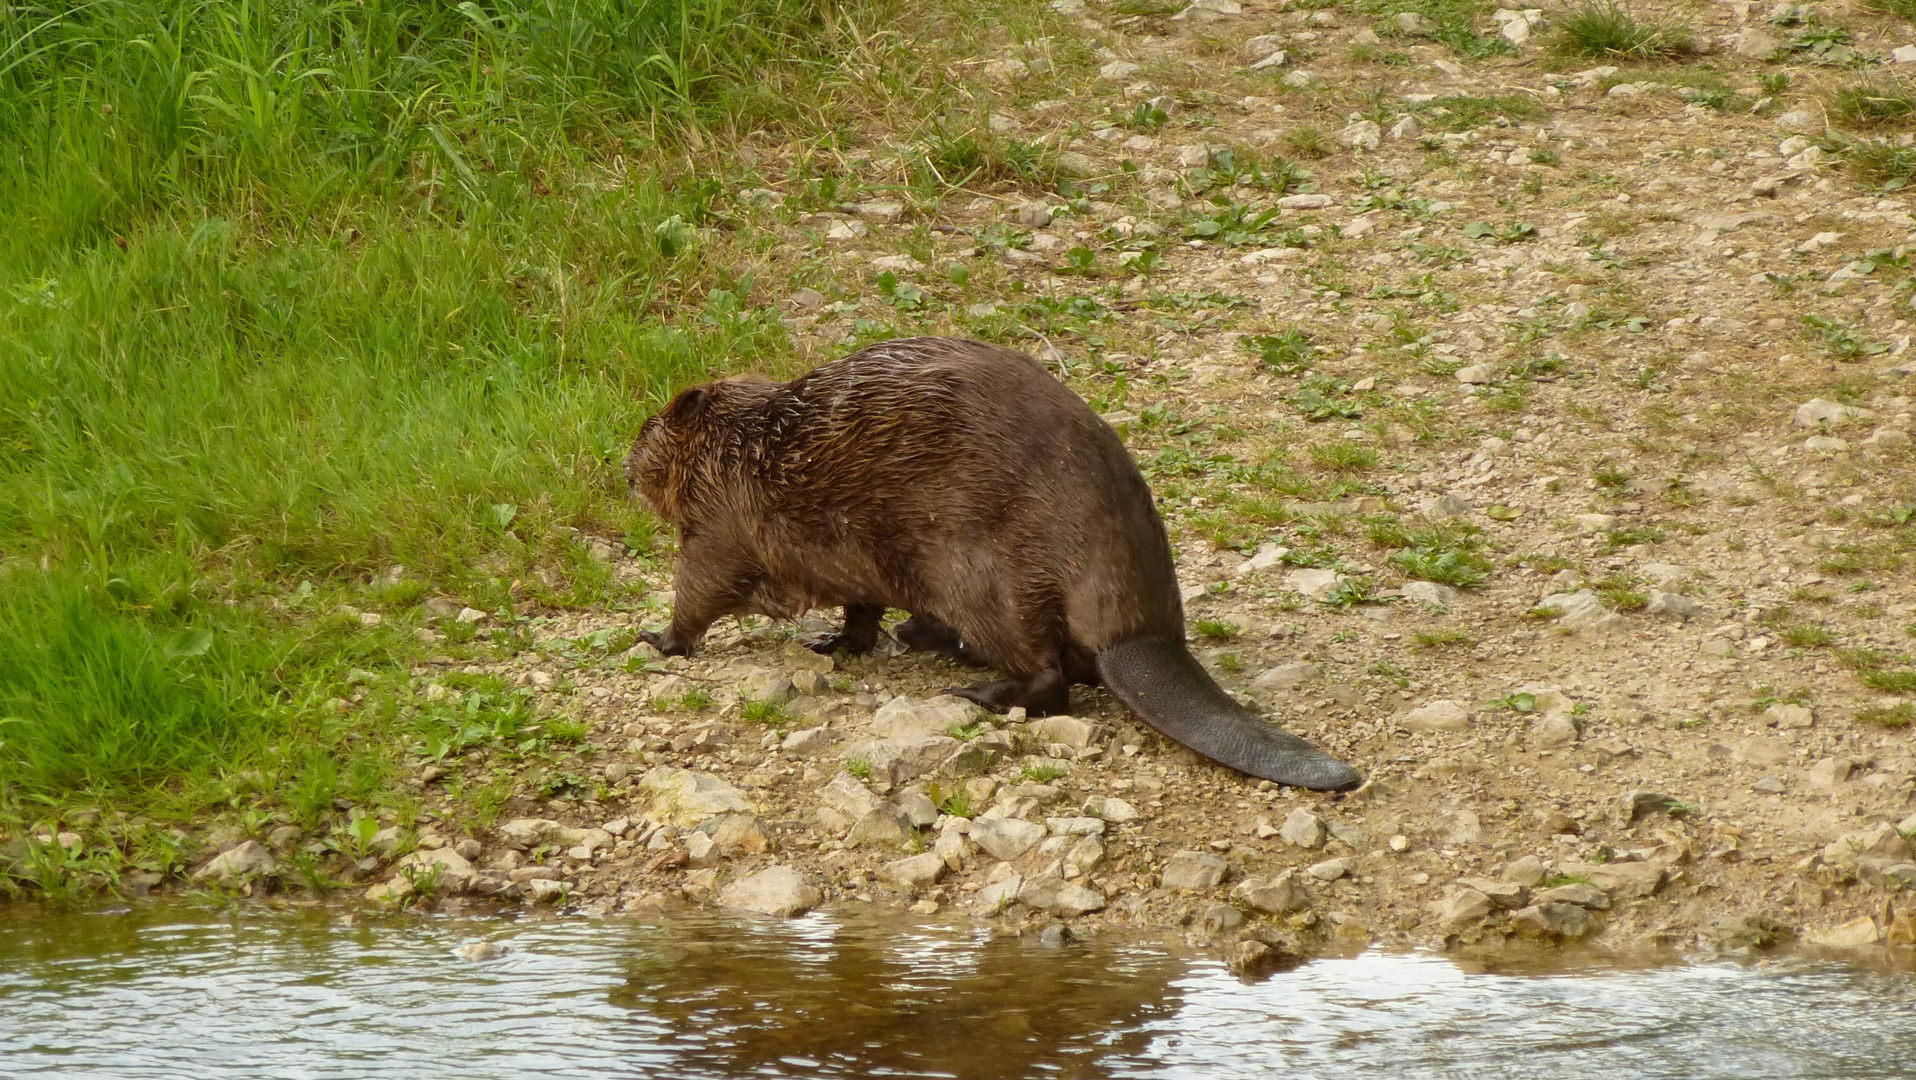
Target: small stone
(447, 869)
(1551, 732)
(1431, 593)
(1330, 869)
(1831, 772)
(1279, 895)
(523, 833)
(1288, 677)
(906, 717)
(1463, 907)
(1218, 919)
(779, 890)
(1362, 135)
(807, 742)
(1825, 444)
(914, 873)
(848, 230)
(1784, 714)
(1065, 730)
(1505, 894)
(1111, 809)
(1083, 857)
(547, 890)
(1304, 202)
(1118, 71)
(479, 951)
(1577, 893)
(1049, 892)
(1461, 827)
(1528, 870)
(1301, 80)
(1673, 607)
(1193, 871)
(1035, 214)
(1624, 879)
(998, 895)
(1440, 715)
(918, 808)
(737, 834)
(1800, 120)
(883, 826)
(235, 865)
(1476, 374)
(1817, 412)
(1406, 127)
(1553, 921)
(886, 213)
(1754, 44)
(1903, 54)
(1854, 934)
(1303, 829)
(471, 616)
(954, 847)
(1005, 838)
(1770, 785)
(685, 798)
(1074, 826)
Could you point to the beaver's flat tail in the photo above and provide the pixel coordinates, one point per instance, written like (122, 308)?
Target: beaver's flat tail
(1160, 681)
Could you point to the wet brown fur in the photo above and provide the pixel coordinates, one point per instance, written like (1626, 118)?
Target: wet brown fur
(952, 479)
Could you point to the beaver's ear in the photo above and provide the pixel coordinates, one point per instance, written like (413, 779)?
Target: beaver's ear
(688, 406)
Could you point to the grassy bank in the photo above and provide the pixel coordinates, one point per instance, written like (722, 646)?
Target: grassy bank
(308, 305)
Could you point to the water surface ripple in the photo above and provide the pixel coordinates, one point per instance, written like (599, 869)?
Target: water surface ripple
(166, 993)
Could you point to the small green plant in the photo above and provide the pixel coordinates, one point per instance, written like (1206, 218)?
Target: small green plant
(1517, 702)
(1840, 338)
(765, 711)
(1217, 629)
(1611, 477)
(1289, 352)
(1556, 881)
(1508, 233)
(1462, 112)
(1144, 117)
(1899, 715)
(566, 732)
(1605, 28)
(955, 804)
(1307, 142)
(1344, 456)
(1774, 82)
(965, 732)
(1633, 534)
(1621, 591)
(860, 768)
(1348, 593)
(1043, 772)
(1808, 635)
(1449, 637)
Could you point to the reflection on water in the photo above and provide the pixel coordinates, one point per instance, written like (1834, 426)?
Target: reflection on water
(173, 993)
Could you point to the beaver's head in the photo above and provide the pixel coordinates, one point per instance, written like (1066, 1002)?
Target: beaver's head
(666, 454)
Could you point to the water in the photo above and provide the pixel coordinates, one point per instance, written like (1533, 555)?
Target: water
(170, 992)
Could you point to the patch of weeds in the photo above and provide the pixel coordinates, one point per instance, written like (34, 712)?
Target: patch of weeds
(1307, 142)
(1605, 28)
(1878, 162)
(1613, 478)
(860, 768)
(1452, 23)
(1874, 102)
(693, 700)
(1508, 233)
(1217, 629)
(965, 732)
(1892, 682)
(1808, 635)
(1144, 117)
(1234, 225)
(1289, 352)
(1843, 340)
(902, 296)
(1520, 702)
(1230, 662)
(1043, 773)
(1350, 592)
(957, 804)
(1449, 637)
(1899, 715)
(566, 732)
(764, 711)
(1461, 112)
(1315, 402)
(1445, 552)
(1634, 534)
(1555, 881)
(1623, 592)
(1344, 456)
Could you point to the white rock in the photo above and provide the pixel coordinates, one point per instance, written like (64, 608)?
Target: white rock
(907, 716)
(915, 872)
(1825, 444)
(1278, 895)
(685, 798)
(1302, 80)
(1903, 54)
(1476, 374)
(882, 212)
(1049, 892)
(1303, 829)
(1818, 411)
(1193, 871)
(1289, 677)
(1800, 120)
(1754, 44)
(1668, 605)
(779, 890)
(1432, 593)
(1111, 809)
(1313, 584)
(1005, 838)
(1304, 202)
(1553, 731)
(1406, 127)
(235, 865)
(1440, 715)
(1272, 60)
(1118, 71)
(1362, 135)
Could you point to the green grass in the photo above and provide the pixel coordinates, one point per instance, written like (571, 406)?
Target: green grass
(294, 292)
(1446, 638)
(1899, 715)
(1043, 773)
(1874, 102)
(1604, 28)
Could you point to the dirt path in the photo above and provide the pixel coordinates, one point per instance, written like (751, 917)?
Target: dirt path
(1623, 345)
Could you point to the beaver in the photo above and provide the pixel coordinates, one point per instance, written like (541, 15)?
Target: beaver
(960, 482)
